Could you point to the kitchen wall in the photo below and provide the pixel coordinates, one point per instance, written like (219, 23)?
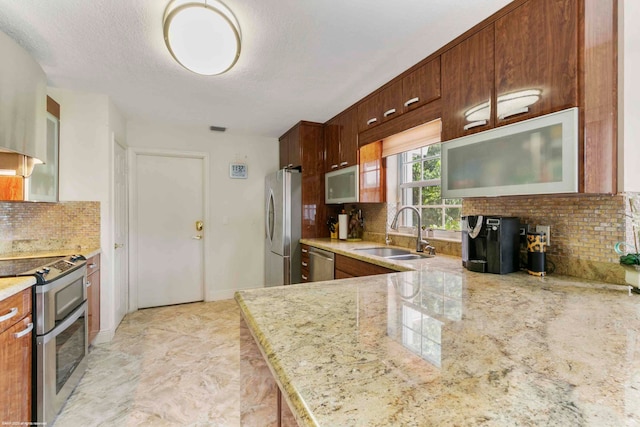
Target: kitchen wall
(89, 125)
(584, 229)
(42, 227)
(236, 255)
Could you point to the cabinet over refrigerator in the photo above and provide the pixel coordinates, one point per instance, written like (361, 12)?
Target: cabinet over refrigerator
(283, 228)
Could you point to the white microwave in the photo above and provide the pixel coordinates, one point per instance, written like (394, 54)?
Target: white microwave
(341, 186)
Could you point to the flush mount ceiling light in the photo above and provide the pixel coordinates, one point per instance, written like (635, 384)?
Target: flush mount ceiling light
(203, 36)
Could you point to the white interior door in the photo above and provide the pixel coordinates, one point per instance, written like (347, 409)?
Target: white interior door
(120, 233)
(169, 202)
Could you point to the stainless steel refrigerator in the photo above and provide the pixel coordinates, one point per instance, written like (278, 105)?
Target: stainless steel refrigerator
(283, 196)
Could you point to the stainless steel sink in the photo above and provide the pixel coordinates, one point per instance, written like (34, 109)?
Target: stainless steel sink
(409, 257)
(384, 251)
(395, 254)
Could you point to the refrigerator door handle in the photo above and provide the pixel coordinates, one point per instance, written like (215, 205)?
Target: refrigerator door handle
(270, 213)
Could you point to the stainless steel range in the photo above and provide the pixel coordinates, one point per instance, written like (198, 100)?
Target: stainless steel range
(60, 317)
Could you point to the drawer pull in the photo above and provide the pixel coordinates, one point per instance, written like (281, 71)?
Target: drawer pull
(9, 315)
(344, 163)
(334, 166)
(371, 121)
(411, 101)
(88, 284)
(304, 264)
(290, 165)
(28, 329)
(389, 112)
(475, 124)
(92, 265)
(304, 277)
(304, 251)
(514, 113)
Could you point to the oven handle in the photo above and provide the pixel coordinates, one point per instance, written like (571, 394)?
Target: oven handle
(77, 313)
(62, 281)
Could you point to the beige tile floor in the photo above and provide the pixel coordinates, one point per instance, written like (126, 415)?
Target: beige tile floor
(168, 366)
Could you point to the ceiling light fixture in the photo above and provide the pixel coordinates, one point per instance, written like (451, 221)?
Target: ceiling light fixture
(203, 36)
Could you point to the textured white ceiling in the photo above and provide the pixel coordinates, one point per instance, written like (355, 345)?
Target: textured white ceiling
(300, 59)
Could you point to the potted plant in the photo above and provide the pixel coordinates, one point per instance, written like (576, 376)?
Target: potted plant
(631, 260)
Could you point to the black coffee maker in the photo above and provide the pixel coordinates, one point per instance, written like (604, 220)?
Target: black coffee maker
(491, 244)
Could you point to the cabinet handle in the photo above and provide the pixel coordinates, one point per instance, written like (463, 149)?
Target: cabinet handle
(28, 329)
(9, 315)
(514, 113)
(371, 121)
(304, 264)
(389, 112)
(304, 277)
(92, 265)
(411, 101)
(304, 251)
(88, 284)
(290, 165)
(344, 163)
(475, 124)
(334, 166)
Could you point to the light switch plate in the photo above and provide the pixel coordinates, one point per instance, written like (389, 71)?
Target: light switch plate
(546, 229)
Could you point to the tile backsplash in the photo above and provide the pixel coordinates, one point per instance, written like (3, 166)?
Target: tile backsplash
(34, 227)
(584, 229)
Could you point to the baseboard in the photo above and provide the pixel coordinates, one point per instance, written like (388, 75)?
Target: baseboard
(224, 294)
(104, 336)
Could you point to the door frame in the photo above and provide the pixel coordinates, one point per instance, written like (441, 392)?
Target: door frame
(133, 209)
(117, 142)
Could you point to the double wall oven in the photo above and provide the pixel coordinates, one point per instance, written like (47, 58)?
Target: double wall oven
(60, 318)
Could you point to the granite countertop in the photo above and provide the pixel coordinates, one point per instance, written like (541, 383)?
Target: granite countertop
(443, 346)
(12, 285)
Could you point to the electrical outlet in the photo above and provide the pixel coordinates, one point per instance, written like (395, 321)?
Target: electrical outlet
(523, 234)
(546, 229)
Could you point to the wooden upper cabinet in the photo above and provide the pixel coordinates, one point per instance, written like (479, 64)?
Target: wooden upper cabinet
(332, 144)
(421, 86)
(372, 180)
(290, 156)
(384, 105)
(11, 188)
(349, 138)
(295, 155)
(304, 145)
(536, 59)
(310, 145)
(369, 112)
(284, 152)
(391, 102)
(468, 85)
(341, 140)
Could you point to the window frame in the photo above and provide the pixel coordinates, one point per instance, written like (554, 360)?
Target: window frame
(407, 217)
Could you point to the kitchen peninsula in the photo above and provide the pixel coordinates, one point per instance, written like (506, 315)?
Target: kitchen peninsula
(439, 345)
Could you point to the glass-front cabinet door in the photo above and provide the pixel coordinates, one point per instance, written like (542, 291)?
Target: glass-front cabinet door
(42, 185)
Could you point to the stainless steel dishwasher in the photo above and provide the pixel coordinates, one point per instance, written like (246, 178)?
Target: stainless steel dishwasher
(320, 264)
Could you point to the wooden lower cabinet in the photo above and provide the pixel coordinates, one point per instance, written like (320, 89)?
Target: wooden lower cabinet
(304, 260)
(346, 267)
(16, 338)
(93, 296)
